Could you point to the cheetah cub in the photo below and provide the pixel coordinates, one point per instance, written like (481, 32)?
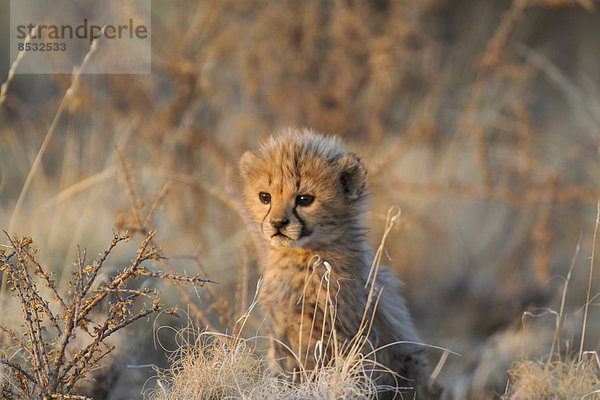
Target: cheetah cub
(307, 196)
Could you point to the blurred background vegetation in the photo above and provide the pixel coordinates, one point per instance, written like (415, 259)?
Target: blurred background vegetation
(479, 119)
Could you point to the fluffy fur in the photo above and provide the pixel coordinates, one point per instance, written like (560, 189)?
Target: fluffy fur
(307, 195)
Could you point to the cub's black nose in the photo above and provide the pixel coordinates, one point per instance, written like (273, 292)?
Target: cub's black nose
(279, 223)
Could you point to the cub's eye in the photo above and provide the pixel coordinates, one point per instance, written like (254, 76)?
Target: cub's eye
(305, 200)
(264, 197)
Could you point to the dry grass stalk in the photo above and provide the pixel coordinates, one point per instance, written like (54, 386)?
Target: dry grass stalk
(13, 68)
(559, 317)
(53, 322)
(589, 288)
(69, 94)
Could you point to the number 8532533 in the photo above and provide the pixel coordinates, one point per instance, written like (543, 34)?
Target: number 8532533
(42, 46)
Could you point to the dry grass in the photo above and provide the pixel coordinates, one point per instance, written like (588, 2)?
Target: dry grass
(560, 380)
(222, 367)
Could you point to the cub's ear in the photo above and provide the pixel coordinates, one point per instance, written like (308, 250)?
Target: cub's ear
(352, 175)
(248, 162)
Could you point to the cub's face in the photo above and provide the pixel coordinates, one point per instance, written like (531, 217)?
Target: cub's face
(301, 198)
(289, 216)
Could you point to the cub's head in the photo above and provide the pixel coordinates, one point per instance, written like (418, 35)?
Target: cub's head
(303, 189)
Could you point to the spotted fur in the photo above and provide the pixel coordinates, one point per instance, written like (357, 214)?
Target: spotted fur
(330, 230)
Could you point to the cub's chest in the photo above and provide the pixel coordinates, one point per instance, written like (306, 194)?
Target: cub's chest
(283, 286)
(286, 284)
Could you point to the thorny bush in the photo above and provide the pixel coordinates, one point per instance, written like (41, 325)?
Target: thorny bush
(53, 322)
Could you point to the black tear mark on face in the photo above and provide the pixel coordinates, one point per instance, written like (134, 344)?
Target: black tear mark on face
(304, 231)
(262, 223)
